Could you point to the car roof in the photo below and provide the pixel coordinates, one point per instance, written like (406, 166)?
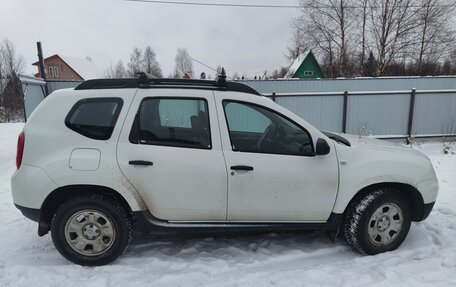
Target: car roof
(145, 82)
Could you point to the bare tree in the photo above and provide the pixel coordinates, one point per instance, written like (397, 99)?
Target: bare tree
(117, 71)
(184, 64)
(406, 37)
(328, 26)
(134, 66)
(393, 30)
(11, 64)
(150, 63)
(363, 23)
(300, 45)
(436, 36)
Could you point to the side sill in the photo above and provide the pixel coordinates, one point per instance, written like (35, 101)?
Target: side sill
(144, 221)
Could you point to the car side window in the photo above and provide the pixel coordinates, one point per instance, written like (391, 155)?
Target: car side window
(253, 128)
(178, 122)
(94, 118)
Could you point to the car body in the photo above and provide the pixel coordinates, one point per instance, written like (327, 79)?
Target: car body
(192, 155)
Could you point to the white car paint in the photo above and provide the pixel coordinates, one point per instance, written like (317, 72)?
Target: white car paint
(183, 183)
(281, 187)
(196, 185)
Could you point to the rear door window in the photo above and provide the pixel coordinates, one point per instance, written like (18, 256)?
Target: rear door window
(94, 118)
(178, 122)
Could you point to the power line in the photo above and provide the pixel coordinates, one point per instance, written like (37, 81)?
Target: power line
(275, 6)
(216, 4)
(201, 63)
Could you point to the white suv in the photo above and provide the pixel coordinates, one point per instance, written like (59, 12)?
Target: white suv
(96, 162)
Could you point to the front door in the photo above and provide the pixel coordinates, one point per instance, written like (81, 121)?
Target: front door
(170, 151)
(273, 172)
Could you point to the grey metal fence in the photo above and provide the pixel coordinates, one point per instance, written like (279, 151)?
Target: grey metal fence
(383, 107)
(33, 91)
(387, 114)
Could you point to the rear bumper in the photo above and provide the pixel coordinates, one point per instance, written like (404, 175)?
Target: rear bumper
(30, 213)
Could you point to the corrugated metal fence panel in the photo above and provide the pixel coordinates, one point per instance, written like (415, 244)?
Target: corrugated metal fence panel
(54, 85)
(362, 84)
(370, 114)
(434, 114)
(324, 112)
(378, 115)
(33, 95)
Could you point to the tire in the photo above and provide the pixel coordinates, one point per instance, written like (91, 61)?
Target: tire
(377, 222)
(91, 230)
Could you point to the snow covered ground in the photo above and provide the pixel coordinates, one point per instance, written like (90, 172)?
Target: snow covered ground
(427, 257)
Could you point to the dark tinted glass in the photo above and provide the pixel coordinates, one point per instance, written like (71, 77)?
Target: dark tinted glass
(172, 122)
(94, 118)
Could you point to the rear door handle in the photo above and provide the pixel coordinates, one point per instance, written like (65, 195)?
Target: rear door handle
(140, 162)
(242, 167)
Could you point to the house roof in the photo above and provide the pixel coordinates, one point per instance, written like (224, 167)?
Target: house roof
(85, 68)
(296, 64)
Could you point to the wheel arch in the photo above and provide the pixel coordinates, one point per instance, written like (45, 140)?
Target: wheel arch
(61, 194)
(414, 196)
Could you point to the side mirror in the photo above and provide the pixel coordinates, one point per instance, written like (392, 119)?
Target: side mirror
(322, 147)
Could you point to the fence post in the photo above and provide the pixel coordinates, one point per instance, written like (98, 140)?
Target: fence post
(273, 96)
(410, 119)
(344, 113)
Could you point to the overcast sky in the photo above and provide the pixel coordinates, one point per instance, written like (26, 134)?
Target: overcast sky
(244, 40)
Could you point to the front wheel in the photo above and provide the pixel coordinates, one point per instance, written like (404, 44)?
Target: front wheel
(91, 230)
(377, 222)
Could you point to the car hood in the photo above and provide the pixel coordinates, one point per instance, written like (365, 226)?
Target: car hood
(379, 145)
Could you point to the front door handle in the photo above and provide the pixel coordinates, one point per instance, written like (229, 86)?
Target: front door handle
(140, 162)
(242, 167)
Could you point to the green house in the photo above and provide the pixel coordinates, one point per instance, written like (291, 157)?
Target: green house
(305, 67)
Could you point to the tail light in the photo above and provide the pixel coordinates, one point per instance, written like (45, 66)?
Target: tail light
(20, 149)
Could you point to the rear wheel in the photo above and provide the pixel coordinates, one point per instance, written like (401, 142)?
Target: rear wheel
(377, 222)
(92, 230)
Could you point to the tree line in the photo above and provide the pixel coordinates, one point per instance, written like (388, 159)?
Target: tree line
(146, 61)
(377, 37)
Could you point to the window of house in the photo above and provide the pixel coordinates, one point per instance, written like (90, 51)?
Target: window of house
(51, 72)
(177, 122)
(94, 118)
(308, 73)
(54, 72)
(256, 129)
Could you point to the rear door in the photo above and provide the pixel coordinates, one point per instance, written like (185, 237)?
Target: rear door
(170, 150)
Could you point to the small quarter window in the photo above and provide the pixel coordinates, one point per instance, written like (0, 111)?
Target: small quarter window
(94, 118)
(178, 122)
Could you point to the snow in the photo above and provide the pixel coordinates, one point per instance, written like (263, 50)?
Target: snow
(427, 257)
(296, 64)
(86, 68)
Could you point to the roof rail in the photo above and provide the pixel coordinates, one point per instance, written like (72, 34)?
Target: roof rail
(146, 81)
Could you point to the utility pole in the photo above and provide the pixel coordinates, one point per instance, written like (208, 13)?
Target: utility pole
(41, 67)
